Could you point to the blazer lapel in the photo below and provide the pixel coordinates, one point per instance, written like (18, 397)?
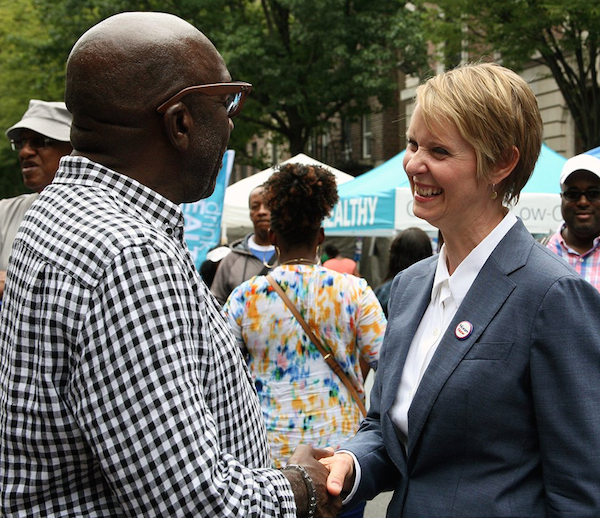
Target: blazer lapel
(405, 316)
(485, 298)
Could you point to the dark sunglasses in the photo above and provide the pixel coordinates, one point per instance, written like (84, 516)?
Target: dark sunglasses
(35, 143)
(591, 194)
(236, 95)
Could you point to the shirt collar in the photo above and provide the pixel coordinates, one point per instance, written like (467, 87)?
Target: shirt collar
(561, 240)
(133, 197)
(460, 282)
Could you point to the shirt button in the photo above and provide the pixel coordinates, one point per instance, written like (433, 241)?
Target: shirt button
(436, 332)
(169, 230)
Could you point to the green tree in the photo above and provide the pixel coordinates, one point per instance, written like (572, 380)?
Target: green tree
(563, 36)
(309, 60)
(22, 77)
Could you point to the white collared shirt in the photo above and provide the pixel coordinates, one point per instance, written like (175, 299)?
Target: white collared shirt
(446, 297)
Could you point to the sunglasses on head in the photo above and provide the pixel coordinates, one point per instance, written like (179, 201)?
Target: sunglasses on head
(236, 95)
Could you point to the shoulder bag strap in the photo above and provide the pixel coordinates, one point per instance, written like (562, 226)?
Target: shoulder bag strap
(333, 364)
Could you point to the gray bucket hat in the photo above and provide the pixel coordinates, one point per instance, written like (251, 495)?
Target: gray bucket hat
(51, 119)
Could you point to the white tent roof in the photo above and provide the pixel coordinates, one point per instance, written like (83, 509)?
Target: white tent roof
(235, 209)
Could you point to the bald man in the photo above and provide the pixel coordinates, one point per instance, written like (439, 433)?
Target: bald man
(122, 392)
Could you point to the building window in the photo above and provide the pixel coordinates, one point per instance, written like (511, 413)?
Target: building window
(366, 136)
(347, 139)
(312, 146)
(325, 146)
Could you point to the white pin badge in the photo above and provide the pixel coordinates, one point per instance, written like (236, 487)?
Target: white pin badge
(463, 330)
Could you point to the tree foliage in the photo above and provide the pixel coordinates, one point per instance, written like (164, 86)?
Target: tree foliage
(563, 36)
(309, 60)
(313, 59)
(22, 77)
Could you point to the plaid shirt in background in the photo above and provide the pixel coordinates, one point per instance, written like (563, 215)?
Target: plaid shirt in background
(586, 265)
(122, 392)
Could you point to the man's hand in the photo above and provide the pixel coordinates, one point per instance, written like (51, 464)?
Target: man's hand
(328, 505)
(341, 473)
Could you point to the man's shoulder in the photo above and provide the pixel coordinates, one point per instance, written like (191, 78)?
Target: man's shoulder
(94, 233)
(17, 203)
(551, 240)
(241, 246)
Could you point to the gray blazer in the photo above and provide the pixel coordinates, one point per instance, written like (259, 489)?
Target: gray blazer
(505, 423)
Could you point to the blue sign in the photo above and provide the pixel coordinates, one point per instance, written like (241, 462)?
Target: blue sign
(367, 203)
(202, 230)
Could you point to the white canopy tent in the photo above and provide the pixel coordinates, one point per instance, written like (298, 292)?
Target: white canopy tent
(235, 209)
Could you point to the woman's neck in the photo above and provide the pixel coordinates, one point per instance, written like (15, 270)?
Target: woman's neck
(298, 255)
(459, 243)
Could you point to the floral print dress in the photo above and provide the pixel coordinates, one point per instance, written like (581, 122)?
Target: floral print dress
(303, 401)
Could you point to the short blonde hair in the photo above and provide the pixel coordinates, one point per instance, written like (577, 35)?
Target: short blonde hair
(493, 109)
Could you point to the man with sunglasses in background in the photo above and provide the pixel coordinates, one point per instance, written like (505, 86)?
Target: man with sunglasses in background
(41, 138)
(122, 389)
(578, 241)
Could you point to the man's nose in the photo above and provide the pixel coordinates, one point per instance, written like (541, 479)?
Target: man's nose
(26, 150)
(583, 199)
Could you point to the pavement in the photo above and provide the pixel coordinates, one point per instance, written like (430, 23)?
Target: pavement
(377, 507)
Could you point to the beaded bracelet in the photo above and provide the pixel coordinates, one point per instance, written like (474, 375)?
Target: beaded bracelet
(310, 489)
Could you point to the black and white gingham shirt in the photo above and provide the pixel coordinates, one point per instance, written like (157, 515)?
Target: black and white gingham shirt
(122, 392)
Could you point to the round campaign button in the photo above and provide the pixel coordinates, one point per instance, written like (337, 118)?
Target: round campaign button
(463, 330)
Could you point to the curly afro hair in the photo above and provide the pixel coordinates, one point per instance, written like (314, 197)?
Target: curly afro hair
(299, 197)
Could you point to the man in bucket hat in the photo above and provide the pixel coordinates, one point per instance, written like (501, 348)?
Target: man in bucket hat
(578, 241)
(41, 138)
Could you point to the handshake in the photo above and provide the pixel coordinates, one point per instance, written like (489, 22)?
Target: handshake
(319, 480)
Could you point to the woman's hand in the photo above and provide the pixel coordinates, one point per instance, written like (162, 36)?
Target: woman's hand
(341, 473)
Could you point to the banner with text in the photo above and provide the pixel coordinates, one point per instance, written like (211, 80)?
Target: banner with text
(540, 212)
(202, 228)
(362, 216)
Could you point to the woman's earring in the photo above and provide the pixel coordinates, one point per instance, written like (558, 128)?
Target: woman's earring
(267, 265)
(493, 194)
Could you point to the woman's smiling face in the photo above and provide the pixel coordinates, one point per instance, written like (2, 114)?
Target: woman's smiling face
(442, 169)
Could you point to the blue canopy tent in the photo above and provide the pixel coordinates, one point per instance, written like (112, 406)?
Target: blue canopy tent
(594, 152)
(368, 203)
(379, 202)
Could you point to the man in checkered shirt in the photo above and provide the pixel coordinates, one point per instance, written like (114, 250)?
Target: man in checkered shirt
(122, 392)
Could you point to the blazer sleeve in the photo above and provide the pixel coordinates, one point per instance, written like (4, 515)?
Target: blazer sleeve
(379, 473)
(565, 381)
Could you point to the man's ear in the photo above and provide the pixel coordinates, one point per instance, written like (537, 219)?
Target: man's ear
(178, 123)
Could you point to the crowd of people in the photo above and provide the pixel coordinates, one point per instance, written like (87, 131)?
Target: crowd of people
(132, 384)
